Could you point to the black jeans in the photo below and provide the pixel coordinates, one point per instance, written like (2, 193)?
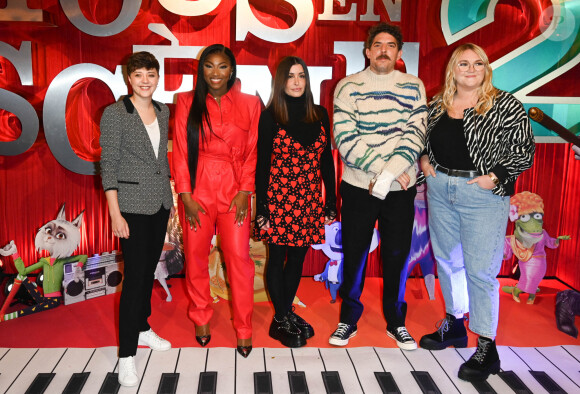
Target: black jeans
(141, 252)
(359, 213)
(283, 279)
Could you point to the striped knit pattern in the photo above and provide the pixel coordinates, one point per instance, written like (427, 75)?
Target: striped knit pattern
(379, 125)
(501, 142)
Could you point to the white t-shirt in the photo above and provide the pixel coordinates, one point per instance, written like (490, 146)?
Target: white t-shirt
(154, 136)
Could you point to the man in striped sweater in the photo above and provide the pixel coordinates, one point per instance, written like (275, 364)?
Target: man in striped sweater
(380, 118)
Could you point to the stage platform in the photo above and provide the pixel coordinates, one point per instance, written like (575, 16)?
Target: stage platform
(75, 346)
(553, 369)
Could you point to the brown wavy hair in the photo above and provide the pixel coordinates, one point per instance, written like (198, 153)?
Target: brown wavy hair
(277, 104)
(486, 92)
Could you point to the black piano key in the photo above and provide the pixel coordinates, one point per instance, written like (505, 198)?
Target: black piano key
(332, 382)
(76, 383)
(547, 382)
(387, 383)
(483, 387)
(425, 382)
(297, 380)
(207, 382)
(263, 383)
(168, 383)
(514, 381)
(40, 383)
(110, 384)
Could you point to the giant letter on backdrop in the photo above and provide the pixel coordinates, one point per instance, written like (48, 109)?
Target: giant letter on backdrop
(13, 103)
(54, 111)
(246, 22)
(190, 8)
(127, 15)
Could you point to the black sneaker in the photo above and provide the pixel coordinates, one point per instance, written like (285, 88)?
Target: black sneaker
(450, 332)
(287, 333)
(307, 330)
(342, 334)
(404, 340)
(485, 361)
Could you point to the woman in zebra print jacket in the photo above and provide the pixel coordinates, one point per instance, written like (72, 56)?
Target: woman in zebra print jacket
(479, 140)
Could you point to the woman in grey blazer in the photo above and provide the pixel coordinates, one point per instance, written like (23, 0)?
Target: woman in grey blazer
(135, 176)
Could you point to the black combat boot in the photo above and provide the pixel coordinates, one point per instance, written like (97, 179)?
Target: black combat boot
(450, 332)
(567, 308)
(287, 333)
(485, 361)
(303, 325)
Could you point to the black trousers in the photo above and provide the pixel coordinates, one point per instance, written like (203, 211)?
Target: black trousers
(283, 279)
(359, 213)
(141, 252)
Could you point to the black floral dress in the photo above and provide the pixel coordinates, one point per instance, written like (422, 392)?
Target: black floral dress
(294, 197)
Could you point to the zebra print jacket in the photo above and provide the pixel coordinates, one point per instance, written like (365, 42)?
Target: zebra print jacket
(501, 141)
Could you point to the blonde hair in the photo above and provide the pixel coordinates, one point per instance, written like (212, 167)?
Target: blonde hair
(486, 92)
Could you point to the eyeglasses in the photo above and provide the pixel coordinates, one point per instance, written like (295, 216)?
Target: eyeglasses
(465, 66)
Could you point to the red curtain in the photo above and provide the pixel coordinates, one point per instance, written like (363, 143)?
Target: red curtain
(33, 185)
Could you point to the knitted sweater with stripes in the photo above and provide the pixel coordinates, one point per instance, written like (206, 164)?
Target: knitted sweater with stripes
(379, 125)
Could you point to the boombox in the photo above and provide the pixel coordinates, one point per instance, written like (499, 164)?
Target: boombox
(101, 275)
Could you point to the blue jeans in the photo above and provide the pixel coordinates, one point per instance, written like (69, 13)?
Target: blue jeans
(467, 225)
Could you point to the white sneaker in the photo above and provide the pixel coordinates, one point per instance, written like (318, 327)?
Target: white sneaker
(127, 372)
(153, 341)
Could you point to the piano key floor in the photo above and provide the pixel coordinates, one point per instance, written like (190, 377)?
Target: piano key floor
(279, 370)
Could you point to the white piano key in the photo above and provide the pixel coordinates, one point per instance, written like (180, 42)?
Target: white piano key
(12, 362)
(74, 360)
(451, 360)
(574, 350)
(102, 362)
(278, 362)
(538, 362)
(246, 368)
(394, 361)
(563, 360)
(422, 360)
(307, 359)
(159, 363)
(336, 359)
(190, 364)
(510, 361)
(43, 361)
(221, 360)
(366, 365)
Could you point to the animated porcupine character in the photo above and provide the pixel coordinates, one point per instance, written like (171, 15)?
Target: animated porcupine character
(60, 238)
(528, 243)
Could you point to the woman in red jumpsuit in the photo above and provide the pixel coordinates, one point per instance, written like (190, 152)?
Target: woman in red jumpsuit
(214, 163)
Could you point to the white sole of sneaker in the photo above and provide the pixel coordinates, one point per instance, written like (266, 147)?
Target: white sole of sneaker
(128, 384)
(157, 349)
(340, 342)
(402, 345)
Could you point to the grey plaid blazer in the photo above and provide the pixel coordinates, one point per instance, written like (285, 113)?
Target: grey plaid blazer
(128, 162)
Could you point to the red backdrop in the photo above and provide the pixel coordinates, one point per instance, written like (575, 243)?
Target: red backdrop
(33, 184)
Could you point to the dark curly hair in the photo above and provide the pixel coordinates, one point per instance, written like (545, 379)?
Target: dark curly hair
(383, 27)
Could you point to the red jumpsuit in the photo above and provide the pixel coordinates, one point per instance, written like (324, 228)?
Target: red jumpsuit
(226, 165)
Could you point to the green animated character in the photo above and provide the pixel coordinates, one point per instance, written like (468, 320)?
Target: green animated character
(60, 238)
(528, 244)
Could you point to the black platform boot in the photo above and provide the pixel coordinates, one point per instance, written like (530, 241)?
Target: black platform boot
(450, 332)
(287, 333)
(485, 361)
(303, 325)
